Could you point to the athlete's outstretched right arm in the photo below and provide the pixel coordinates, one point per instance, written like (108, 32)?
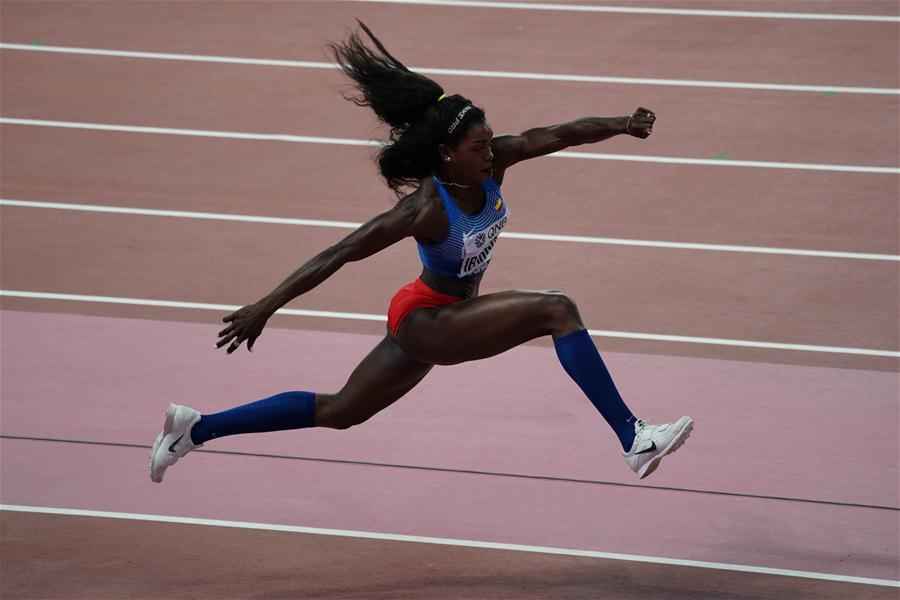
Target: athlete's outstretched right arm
(411, 216)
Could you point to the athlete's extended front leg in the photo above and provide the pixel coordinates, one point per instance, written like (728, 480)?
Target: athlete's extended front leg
(491, 324)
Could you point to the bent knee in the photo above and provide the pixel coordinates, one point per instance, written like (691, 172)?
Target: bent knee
(559, 304)
(560, 310)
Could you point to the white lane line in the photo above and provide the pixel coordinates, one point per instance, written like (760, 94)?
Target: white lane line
(686, 12)
(324, 314)
(237, 135)
(382, 318)
(304, 139)
(578, 239)
(728, 85)
(716, 162)
(735, 85)
(371, 535)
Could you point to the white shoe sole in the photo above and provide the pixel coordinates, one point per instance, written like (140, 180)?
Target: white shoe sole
(687, 425)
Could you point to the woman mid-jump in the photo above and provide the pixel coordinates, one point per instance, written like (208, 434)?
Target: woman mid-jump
(442, 148)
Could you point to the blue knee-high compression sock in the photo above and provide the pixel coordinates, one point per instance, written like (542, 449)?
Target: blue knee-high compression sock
(580, 359)
(289, 410)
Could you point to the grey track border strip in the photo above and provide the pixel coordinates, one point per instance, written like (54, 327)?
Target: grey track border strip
(468, 472)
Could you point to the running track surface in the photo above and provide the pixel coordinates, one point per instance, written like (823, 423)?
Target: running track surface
(793, 462)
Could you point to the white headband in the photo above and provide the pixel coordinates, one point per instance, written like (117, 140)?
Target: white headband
(459, 117)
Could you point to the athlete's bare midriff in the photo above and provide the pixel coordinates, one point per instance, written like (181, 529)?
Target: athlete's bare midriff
(464, 287)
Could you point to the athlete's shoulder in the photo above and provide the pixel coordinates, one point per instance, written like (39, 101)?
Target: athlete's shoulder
(424, 205)
(424, 198)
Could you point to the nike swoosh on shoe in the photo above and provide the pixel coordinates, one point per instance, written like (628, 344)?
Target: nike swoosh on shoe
(649, 448)
(172, 445)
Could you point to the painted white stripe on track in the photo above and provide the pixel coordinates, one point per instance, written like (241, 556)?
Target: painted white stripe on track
(727, 85)
(382, 318)
(734, 85)
(304, 139)
(324, 314)
(371, 535)
(236, 135)
(578, 239)
(635, 10)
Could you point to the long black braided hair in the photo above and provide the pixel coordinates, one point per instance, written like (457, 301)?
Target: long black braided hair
(419, 114)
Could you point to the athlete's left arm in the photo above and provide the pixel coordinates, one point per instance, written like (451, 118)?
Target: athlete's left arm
(540, 141)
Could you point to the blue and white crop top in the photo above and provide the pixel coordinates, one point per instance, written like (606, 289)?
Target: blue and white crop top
(470, 240)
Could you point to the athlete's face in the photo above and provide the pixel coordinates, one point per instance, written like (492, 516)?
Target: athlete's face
(471, 159)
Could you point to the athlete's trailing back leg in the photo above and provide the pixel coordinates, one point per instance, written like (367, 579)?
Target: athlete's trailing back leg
(383, 377)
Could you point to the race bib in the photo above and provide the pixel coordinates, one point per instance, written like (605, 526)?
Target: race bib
(478, 246)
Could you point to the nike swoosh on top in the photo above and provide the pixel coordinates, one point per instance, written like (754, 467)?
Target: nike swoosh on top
(172, 445)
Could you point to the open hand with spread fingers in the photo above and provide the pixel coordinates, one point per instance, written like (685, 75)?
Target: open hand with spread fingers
(640, 123)
(246, 324)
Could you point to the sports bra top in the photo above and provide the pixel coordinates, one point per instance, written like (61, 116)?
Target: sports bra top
(470, 240)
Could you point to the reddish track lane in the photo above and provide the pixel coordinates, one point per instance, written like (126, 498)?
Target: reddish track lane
(790, 209)
(863, 54)
(694, 123)
(847, 212)
(708, 294)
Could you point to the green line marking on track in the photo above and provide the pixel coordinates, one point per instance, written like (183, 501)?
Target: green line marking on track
(829, 94)
(38, 43)
(722, 156)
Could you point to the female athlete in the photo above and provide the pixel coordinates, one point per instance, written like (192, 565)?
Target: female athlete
(442, 148)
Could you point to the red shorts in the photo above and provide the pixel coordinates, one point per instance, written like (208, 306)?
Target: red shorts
(413, 296)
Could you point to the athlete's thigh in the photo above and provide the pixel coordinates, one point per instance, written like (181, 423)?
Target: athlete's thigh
(479, 327)
(383, 377)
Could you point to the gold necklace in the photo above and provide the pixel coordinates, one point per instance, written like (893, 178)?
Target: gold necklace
(440, 181)
(450, 183)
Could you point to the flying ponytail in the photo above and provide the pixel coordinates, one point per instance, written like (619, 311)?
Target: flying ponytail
(421, 116)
